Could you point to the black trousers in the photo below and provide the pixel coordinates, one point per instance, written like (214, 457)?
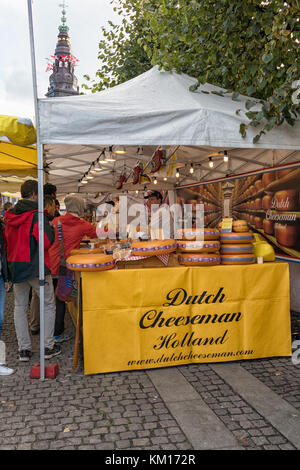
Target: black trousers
(60, 313)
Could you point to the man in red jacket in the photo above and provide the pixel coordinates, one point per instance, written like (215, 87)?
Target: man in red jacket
(22, 247)
(74, 228)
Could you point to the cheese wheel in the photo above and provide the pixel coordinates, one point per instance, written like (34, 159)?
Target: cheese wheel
(238, 259)
(199, 259)
(153, 247)
(236, 237)
(197, 246)
(200, 234)
(258, 203)
(258, 222)
(268, 178)
(287, 234)
(252, 189)
(244, 248)
(283, 173)
(286, 200)
(258, 185)
(93, 262)
(267, 202)
(268, 226)
(86, 251)
(240, 226)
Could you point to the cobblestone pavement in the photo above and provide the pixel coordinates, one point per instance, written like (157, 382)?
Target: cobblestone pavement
(124, 410)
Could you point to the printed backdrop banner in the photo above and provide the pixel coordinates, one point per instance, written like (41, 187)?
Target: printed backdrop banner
(268, 202)
(149, 318)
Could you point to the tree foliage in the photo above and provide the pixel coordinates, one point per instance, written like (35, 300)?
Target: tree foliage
(247, 47)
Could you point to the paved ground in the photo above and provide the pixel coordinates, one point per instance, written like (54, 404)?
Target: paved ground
(245, 405)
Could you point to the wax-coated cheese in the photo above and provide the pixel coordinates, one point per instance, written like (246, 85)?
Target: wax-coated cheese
(268, 226)
(153, 247)
(286, 200)
(243, 248)
(268, 178)
(258, 185)
(236, 237)
(240, 226)
(287, 234)
(267, 202)
(197, 246)
(283, 173)
(199, 259)
(92, 262)
(258, 222)
(86, 251)
(238, 259)
(199, 234)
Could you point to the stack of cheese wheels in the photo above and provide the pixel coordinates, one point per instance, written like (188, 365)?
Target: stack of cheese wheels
(199, 247)
(237, 248)
(153, 247)
(90, 262)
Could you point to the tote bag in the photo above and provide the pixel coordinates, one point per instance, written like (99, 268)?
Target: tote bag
(66, 289)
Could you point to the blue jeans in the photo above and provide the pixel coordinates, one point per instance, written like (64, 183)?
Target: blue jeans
(2, 302)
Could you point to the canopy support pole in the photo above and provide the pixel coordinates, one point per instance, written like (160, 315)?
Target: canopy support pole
(40, 196)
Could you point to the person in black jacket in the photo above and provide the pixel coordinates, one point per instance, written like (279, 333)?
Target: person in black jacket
(4, 287)
(22, 239)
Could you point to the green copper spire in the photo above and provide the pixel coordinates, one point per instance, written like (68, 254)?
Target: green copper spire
(63, 28)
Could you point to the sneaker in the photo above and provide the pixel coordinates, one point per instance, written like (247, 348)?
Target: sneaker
(25, 355)
(61, 338)
(55, 351)
(5, 370)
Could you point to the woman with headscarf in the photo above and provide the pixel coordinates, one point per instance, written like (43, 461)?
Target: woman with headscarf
(74, 228)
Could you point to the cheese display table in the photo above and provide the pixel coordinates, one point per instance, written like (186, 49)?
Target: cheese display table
(159, 317)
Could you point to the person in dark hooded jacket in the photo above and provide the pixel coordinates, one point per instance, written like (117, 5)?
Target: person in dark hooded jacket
(22, 249)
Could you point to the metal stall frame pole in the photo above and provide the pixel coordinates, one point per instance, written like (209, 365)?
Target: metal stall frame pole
(40, 196)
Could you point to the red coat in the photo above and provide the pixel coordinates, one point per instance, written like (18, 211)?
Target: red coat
(74, 229)
(22, 241)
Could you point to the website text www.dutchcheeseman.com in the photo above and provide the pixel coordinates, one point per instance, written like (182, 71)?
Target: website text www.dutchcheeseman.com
(187, 357)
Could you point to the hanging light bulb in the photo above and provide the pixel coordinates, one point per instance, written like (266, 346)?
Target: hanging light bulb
(93, 169)
(155, 180)
(191, 169)
(165, 178)
(109, 155)
(211, 163)
(225, 158)
(177, 173)
(136, 191)
(119, 150)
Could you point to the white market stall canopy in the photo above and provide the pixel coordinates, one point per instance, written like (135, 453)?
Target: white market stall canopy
(156, 109)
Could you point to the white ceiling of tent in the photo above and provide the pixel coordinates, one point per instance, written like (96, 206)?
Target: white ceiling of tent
(68, 163)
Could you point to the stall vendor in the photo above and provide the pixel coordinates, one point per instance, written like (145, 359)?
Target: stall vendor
(160, 220)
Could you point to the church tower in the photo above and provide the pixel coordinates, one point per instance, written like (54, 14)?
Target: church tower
(62, 80)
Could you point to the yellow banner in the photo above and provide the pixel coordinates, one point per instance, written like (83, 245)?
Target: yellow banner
(148, 318)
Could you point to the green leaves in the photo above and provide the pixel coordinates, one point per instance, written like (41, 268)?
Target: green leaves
(266, 58)
(251, 51)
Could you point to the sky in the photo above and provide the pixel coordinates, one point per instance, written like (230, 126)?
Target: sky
(84, 19)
